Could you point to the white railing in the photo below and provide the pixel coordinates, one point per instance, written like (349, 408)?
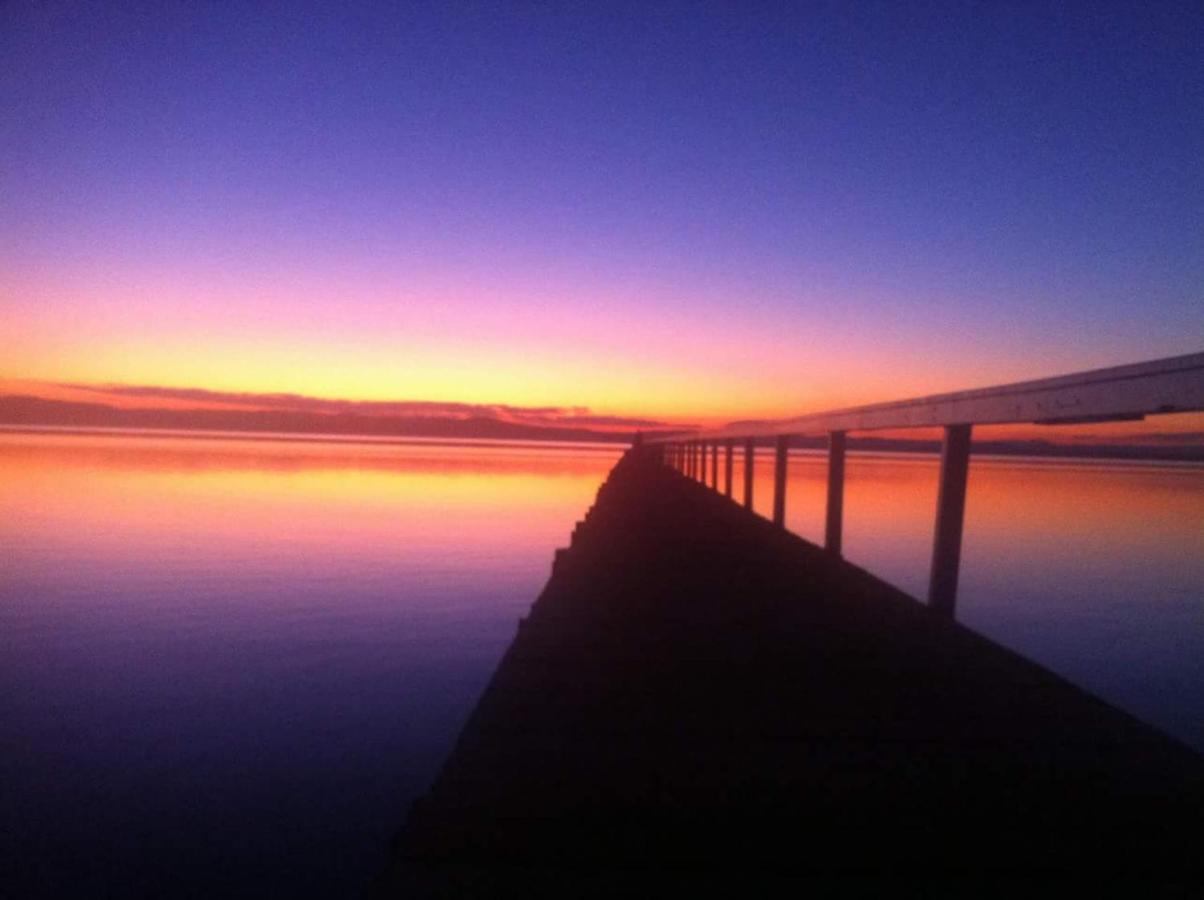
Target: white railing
(1120, 393)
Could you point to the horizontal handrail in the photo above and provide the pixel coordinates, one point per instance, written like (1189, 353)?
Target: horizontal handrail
(1171, 385)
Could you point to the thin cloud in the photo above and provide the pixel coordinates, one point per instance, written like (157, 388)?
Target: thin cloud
(527, 415)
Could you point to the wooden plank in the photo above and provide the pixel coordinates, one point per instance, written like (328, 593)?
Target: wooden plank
(780, 463)
(834, 518)
(750, 458)
(727, 467)
(950, 518)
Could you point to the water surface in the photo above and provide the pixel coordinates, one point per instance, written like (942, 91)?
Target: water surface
(229, 665)
(1093, 568)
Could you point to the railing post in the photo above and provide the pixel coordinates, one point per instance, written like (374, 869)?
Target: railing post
(727, 467)
(835, 518)
(714, 465)
(702, 459)
(779, 480)
(693, 459)
(950, 516)
(750, 452)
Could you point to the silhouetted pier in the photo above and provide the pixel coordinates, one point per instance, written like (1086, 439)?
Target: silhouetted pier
(698, 695)
(1116, 394)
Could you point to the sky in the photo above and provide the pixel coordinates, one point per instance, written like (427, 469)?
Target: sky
(681, 211)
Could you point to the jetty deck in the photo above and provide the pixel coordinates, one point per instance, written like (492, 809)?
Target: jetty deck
(698, 695)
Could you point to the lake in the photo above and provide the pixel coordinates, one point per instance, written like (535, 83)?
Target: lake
(229, 664)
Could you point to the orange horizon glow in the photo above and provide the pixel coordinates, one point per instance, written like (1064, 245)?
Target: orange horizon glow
(451, 337)
(1185, 425)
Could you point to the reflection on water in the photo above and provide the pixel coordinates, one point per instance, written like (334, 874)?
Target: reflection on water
(242, 659)
(1095, 569)
(233, 664)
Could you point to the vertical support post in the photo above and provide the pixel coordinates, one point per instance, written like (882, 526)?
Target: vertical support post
(950, 516)
(779, 480)
(714, 465)
(727, 467)
(693, 459)
(750, 452)
(702, 462)
(835, 518)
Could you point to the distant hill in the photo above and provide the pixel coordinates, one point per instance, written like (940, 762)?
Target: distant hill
(32, 411)
(18, 409)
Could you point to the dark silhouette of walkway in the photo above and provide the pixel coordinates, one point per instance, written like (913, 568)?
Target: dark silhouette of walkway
(699, 696)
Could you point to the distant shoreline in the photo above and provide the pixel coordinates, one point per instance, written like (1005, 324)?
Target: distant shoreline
(363, 440)
(860, 445)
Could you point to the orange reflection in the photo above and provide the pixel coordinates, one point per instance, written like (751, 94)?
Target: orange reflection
(1026, 518)
(109, 499)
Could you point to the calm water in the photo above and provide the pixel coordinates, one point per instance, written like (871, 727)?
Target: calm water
(229, 665)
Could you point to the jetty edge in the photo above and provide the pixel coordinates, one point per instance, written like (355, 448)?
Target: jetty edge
(698, 697)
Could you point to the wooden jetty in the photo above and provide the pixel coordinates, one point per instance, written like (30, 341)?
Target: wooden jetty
(699, 697)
